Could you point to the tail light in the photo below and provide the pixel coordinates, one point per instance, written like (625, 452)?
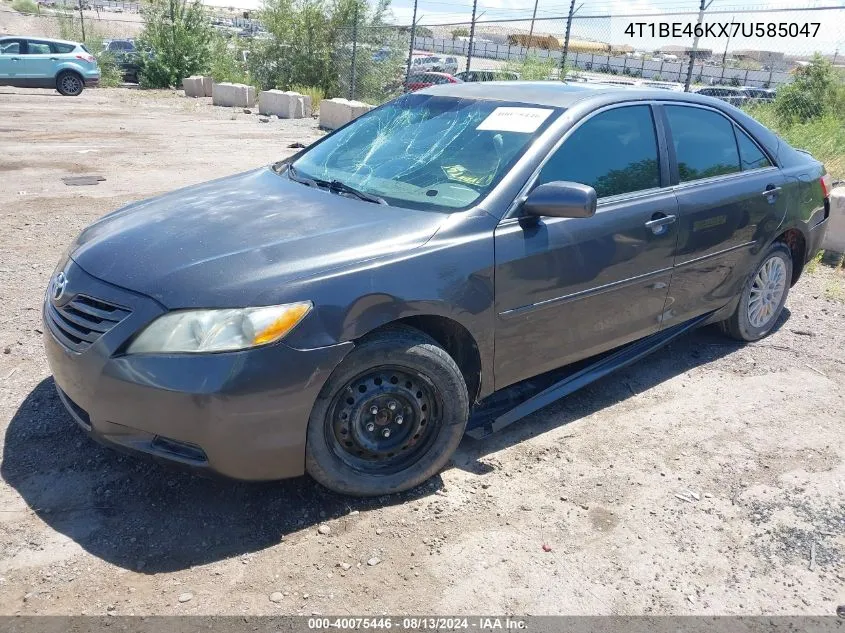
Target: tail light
(827, 185)
(88, 58)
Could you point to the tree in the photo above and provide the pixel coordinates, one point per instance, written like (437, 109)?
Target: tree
(177, 35)
(815, 91)
(460, 32)
(312, 43)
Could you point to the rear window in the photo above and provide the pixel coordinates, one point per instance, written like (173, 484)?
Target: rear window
(38, 48)
(84, 48)
(64, 48)
(705, 145)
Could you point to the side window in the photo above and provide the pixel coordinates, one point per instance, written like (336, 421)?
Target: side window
(704, 143)
(37, 48)
(8, 47)
(749, 153)
(614, 152)
(63, 48)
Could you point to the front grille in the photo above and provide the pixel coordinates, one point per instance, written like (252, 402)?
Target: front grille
(81, 321)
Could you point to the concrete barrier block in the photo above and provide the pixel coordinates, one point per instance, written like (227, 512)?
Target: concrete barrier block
(335, 113)
(286, 105)
(233, 95)
(194, 86)
(834, 239)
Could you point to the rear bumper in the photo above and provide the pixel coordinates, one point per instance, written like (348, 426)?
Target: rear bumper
(240, 414)
(816, 238)
(92, 82)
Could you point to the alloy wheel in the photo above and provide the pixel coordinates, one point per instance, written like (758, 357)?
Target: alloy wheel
(766, 292)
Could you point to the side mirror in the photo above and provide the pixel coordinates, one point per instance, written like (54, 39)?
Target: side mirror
(561, 199)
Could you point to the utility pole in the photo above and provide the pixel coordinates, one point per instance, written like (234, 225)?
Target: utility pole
(566, 41)
(472, 33)
(702, 8)
(411, 46)
(354, 52)
(533, 17)
(728, 43)
(82, 20)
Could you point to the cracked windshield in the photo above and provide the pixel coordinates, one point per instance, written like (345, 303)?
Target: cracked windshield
(424, 151)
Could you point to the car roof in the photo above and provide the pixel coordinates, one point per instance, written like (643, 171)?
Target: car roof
(560, 94)
(37, 38)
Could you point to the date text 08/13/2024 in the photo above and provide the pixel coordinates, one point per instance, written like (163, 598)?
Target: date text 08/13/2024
(417, 623)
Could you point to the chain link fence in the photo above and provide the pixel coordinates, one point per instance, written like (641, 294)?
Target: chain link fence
(762, 59)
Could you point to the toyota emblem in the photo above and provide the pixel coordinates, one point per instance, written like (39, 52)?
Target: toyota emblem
(58, 286)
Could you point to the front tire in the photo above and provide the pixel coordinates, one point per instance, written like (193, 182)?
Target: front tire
(763, 296)
(69, 84)
(389, 417)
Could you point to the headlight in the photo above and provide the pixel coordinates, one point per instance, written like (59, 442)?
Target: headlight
(218, 330)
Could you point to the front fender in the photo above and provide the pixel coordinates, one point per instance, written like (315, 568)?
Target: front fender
(451, 276)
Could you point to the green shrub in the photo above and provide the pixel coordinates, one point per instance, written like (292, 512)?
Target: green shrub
(316, 94)
(816, 90)
(178, 34)
(311, 43)
(533, 67)
(25, 6)
(225, 61)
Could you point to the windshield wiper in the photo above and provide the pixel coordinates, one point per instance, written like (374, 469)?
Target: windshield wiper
(335, 186)
(294, 175)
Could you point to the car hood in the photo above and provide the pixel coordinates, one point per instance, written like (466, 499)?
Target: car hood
(236, 241)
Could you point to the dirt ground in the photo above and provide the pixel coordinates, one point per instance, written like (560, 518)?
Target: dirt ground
(706, 479)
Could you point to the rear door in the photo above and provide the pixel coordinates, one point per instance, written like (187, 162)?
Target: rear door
(730, 205)
(40, 62)
(569, 288)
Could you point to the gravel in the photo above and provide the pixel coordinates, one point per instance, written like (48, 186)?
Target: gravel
(760, 426)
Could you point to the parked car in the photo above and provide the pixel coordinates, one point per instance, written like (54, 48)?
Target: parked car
(424, 63)
(424, 80)
(37, 62)
(760, 94)
(487, 75)
(448, 64)
(352, 310)
(738, 96)
(126, 56)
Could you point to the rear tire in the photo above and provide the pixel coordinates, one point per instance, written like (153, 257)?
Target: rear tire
(69, 84)
(389, 417)
(763, 296)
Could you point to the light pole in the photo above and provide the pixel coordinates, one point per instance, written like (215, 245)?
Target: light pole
(533, 17)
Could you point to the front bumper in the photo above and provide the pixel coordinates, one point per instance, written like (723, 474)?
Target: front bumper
(239, 414)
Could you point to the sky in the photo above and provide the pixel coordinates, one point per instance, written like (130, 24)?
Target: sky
(829, 38)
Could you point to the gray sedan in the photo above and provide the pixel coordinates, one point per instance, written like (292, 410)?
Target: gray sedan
(450, 261)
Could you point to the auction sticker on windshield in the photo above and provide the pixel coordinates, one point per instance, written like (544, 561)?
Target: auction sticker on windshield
(515, 120)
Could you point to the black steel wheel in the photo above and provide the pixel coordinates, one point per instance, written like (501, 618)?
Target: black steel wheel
(389, 417)
(383, 419)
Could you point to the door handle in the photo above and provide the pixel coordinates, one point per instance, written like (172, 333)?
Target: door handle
(659, 222)
(15, 59)
(54, 59)
(770, 191)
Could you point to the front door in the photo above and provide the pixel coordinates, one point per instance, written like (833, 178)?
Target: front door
(569, 288)
(730, 206)
(11, 55)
